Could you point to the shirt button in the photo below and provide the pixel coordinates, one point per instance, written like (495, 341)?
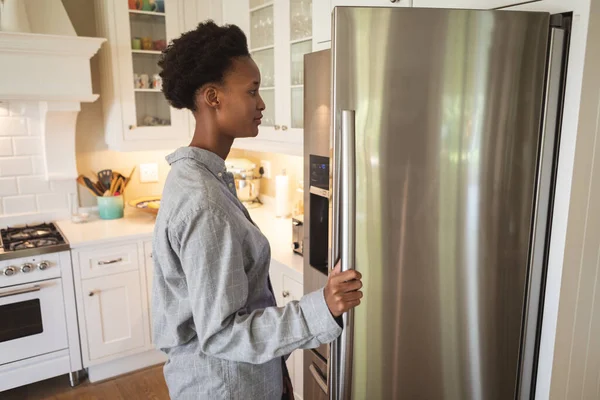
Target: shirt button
(230, 185)
(220, 174)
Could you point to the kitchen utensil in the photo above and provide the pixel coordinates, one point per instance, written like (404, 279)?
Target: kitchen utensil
(148, 5)
(105, 176)
(128, 178)
(160, 6)
(88, 184)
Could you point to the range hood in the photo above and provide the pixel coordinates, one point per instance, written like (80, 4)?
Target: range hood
(46, 66)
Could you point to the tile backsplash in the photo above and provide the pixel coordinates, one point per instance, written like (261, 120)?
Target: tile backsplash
(23, 186)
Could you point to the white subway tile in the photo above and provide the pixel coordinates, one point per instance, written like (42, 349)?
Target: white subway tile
(39, 167)
(27, 146)
(64, 186)
(8, 187)
(11, 126)
(15, 166)
(19, 204)
(4, 109)
(33, 185)
(52, 201)
(6, 148)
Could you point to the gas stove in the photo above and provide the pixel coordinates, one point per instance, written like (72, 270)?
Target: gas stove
(31, 240)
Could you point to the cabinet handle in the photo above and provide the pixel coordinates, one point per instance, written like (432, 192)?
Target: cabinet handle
(285, 294)
(277, 127)
(117, 260)
(91, 293)
(132, 127)
(284, 128)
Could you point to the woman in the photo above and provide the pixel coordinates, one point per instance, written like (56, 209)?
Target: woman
(214, 312)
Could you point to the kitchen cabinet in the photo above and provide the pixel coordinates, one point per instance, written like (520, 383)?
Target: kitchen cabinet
(136, 113)
(468, 4)
(287, 286)
(113, 315)
(279, 33)
(113, 302)
(322, 16)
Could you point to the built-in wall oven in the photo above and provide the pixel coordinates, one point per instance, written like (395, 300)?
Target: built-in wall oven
(317, 208)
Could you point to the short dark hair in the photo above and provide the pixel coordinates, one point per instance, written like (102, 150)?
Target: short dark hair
(199, 57)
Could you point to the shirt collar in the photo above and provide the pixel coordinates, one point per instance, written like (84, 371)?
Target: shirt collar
(213, 162)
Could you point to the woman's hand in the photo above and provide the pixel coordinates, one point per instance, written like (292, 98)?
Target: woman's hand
(342, 291)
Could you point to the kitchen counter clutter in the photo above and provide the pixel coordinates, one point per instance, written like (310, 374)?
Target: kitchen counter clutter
(137, 225)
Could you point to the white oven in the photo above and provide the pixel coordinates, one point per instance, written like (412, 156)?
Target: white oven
(33, 320)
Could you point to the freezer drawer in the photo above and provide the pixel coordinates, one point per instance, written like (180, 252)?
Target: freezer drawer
(315, 376)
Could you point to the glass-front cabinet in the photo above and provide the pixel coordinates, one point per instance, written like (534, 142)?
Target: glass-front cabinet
(279, 35)
(136, 113)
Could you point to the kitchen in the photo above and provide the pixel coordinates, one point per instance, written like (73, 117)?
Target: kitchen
(111, 259)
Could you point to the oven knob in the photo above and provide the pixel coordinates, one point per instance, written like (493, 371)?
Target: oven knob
(26, 267)
(43, 265)
(8, 271)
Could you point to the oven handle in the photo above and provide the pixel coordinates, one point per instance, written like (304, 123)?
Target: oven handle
(35, 288)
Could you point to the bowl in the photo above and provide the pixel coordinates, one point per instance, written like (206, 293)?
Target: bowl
(146, 204)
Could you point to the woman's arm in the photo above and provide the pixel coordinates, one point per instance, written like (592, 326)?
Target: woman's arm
(212, 260)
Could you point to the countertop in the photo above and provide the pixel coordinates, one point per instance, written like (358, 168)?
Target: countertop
(137, 225)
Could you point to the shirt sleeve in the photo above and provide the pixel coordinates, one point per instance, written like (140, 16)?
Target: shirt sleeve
(211, 255)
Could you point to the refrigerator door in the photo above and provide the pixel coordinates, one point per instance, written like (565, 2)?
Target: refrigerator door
(446, 109)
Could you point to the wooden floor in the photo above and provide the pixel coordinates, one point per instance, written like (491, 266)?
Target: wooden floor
(147, 384)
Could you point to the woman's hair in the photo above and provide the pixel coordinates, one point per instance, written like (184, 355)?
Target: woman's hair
(199, 57)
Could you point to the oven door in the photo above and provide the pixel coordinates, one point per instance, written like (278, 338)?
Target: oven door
(33, 320)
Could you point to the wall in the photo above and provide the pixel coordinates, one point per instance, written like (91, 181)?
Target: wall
(23, 187)
(576, 364)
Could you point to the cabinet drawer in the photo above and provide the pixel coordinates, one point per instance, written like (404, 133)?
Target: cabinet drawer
(109, 260)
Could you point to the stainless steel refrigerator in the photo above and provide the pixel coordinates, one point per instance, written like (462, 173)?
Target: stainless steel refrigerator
(431, 142)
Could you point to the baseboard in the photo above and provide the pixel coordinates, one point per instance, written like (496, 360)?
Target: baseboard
(125, 365)
(34, 369)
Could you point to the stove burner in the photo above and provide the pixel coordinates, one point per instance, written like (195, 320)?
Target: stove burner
(33, 243)
(28, 237)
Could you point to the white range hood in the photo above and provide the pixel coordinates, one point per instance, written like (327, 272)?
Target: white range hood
(50, 73)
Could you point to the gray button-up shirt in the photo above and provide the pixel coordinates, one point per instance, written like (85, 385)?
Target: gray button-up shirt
(213, 312)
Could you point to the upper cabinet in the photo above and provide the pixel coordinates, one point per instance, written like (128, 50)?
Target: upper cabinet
(136, 113)
(322, 16)
(468, 4)
(279, 35)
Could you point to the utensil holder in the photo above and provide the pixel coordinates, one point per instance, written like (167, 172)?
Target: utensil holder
(110, 207)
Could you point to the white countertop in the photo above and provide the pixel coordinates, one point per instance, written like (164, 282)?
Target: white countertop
(138, 225)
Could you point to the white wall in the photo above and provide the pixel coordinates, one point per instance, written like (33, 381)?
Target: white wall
(23, 188)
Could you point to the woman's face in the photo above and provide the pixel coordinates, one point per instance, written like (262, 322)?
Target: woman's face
(240, 106)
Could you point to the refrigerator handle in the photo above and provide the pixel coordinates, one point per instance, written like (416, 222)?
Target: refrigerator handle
(347, 203)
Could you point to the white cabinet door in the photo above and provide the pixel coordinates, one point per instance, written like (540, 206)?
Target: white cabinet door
(114, 316)
(468, 4)
(137, 115)
(292, 290)
(279, 33)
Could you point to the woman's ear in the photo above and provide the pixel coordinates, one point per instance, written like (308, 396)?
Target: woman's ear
(211, 97)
